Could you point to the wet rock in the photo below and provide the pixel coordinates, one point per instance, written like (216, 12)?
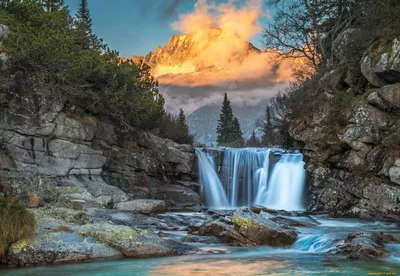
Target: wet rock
(366, 245)
(134, 242)
(365, 216)
(144, 206)
(58, 248)
(246, 228)
(260, 230)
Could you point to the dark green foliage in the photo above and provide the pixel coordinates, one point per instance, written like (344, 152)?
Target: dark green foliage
(237, 133)
(56, 59)
(268, 130)
(53, 5)
(229, 132)
(16, 223)
(253, 142)
(224, 128)
(176, 128)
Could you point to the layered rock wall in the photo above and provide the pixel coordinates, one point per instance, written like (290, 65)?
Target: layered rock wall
(356, 170)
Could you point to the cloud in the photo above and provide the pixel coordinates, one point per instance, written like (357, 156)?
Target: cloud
(169, 9)
(191, 98)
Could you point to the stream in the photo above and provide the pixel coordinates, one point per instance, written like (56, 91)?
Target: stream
(307, 256)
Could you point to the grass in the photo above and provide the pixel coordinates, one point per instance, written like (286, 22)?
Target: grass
(16, 223)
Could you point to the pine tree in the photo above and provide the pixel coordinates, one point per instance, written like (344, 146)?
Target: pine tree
(53, 5)
(253, 141)
(237, 133)
(184, 132)
(268, 131)
(225, 135)
(83, 17)
(84, 25)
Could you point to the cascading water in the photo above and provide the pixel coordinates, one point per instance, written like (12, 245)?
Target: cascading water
(243, 178)
(285, 187)
(211, 188)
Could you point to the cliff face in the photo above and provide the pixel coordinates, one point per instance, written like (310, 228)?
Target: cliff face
(211, 57)
(183, 48)
(91, 161)
(358, 169)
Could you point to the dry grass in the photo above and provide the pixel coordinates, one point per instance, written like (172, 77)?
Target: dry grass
(16, 223)
(64, 229)
(33, 200)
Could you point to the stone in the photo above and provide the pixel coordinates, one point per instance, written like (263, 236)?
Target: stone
(4, 31)
(134, 242)
(144, 206)
(260, 230)
(58, 248)
(375, 100)
(394, 172)
(390, 96)
(366, 245)
(20, 187)
(381, 64)
(343, 42)
(366, 216)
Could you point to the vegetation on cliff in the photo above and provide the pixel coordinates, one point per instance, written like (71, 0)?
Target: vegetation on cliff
(56, 59)
(16, 223)
(332, 36)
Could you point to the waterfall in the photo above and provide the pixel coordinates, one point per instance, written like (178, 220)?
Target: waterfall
(250, 176)
(285, 187)
(211, 188)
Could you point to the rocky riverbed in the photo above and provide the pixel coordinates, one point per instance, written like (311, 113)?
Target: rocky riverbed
(74, 236)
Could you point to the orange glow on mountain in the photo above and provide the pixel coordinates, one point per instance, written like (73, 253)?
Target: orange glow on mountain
(214, 48)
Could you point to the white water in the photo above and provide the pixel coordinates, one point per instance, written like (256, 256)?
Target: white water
(211, 188)
(249, 176)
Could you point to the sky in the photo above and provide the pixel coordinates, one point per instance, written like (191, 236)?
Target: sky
(134, 27)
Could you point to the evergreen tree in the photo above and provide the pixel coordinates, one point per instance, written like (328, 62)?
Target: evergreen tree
(237, 133)
(84, 25)
(225, 134)
(186, 137)
(268, 130)
(253, 141)
(53, 5)
(83, 17)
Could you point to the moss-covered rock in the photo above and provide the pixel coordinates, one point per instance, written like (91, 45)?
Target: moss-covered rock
(135, 242)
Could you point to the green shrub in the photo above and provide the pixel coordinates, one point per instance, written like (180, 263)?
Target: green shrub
(16, 223)
(45, 49)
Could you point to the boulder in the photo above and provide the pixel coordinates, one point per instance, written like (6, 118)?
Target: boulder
(381, 64)
(246, 228)
(394, 172)
(4, 31)
(345, 41)
(366, 245)
(57, 248)
(262, 231)
(134, 242)
(390, 96)
(144, 206)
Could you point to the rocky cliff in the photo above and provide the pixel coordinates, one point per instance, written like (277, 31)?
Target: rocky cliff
(354, 166)
(88, 160)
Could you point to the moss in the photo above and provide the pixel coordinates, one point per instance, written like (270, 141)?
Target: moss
(380, 47)
(16, 223)
(78, 141)
(114, 235)
(242, 222)
(331, 133)
(70, 190)
(22, 245)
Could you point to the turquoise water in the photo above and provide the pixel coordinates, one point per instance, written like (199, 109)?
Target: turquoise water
(308, 256)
